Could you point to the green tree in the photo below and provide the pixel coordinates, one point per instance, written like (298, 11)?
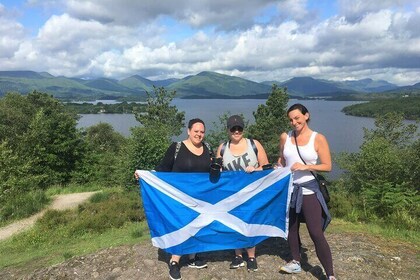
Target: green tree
(160, 111)
(103, 157)
(15, 115)
(103, 138)
(381, 175)
(39, 147)
(161, 122)
(271, 121)
(44, 134)
(390, 127)
(148, 145)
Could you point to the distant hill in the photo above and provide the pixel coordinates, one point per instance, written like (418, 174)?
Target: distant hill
(369, 85)
(214, 85)
(203, 85)
(414, 89)
(64, 88)
(307, 86)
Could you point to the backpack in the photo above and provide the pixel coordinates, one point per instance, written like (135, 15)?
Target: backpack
(254, 147)
(178, 146)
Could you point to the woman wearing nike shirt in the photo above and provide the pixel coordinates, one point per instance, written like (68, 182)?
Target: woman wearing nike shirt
(192, 156)
(306, 198)
(239, 154)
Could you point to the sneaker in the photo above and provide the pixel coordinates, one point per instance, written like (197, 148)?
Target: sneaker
(197, 263)
(332, 278)
(174, 272)
(251, 264)
(237, 262)
(291, 267)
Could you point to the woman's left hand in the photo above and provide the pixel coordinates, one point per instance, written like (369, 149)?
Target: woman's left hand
(250, 169)
(298, 166)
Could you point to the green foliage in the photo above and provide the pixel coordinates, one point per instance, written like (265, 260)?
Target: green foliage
(384, 198)
(39, 147)
(103, 138)
(383, 175)
(390, 127)
(147, 147)
(104, 156)
(408, 106)
(22, 205)
(15, 115)
(159, 111)
(270, 121)
(43, 134)
(342, 202)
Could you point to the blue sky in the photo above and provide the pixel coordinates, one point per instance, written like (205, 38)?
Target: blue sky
(258, 40)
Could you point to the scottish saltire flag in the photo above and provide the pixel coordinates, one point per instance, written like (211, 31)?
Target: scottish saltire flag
(187, 213)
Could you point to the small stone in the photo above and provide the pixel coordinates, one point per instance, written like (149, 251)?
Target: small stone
(398, 259)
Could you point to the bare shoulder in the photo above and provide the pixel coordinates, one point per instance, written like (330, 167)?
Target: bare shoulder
(320, 137)
(283, 137)
(258, 144)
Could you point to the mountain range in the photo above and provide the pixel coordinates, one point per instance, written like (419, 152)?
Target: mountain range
(203, 85)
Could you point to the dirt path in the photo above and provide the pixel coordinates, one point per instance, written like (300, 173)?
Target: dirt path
(60, 202)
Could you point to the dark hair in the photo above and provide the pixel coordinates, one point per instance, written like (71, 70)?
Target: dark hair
(299, 107)
(194, 121)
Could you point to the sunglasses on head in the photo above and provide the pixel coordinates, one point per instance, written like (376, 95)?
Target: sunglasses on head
(236, 128)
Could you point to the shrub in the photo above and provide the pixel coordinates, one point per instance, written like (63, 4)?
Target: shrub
(22, 205)
(110, 210)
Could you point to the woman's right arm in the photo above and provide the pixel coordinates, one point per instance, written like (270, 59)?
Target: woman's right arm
(282, 142)
(168, 160)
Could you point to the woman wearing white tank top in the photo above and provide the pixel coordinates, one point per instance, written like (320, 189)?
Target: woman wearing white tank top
(315, 151)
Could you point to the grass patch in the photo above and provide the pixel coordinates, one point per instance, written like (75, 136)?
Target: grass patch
(407, 236)
(21, 206)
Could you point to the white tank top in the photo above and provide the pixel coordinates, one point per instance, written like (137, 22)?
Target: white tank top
(239, 162)
(307, 152)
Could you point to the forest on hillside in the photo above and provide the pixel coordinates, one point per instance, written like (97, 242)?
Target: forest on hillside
(408, 106)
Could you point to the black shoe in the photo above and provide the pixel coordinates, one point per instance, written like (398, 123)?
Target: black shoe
(237, 262)
(197, 263)
(251, 264)
(174, 272)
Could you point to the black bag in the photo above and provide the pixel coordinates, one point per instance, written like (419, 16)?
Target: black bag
(323, 187)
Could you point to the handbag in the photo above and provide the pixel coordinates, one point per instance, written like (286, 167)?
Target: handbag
(322, 182)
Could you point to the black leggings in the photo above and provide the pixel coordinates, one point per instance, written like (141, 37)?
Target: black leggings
(312, 211)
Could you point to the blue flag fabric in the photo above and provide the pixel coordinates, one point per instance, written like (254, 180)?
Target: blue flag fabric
(187, 213)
